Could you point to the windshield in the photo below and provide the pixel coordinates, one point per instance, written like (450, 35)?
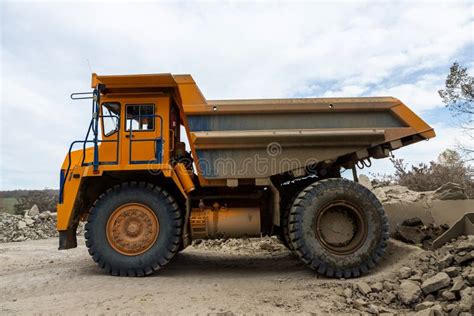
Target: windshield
(110, 117)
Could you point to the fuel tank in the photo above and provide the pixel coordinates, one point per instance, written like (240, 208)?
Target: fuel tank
(222, 222)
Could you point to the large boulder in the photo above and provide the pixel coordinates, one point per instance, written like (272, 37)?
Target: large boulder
(365, 181)
(450, 191)
(405, 272)
(409, 234)
(34, 211)
(413, 222)
(409, 292)
(396, 193)
(436, 282)
(466, 303)
(45, 215)
(380, 194)
(414, 231)
(466, 245)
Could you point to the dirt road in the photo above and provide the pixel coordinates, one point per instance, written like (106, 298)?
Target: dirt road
(37, 278)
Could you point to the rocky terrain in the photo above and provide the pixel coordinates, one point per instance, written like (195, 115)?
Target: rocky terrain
(256, 275)
(30, 226)
(238, 276)
(390, 194)
(414, 231)
(267, 244)
(436, 283)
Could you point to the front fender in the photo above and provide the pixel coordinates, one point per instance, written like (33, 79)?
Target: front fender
(70, 183)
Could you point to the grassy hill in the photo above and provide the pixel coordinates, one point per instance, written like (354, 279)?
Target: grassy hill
(6, 204)
(19, 200)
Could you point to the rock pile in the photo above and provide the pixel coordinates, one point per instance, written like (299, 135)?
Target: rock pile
(268, 245)
(450, 191)
(414, 231)
(32, 225)
(438, 283)
(396, 193)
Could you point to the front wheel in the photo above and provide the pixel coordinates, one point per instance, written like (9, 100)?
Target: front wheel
(133, 229)
(338, 228)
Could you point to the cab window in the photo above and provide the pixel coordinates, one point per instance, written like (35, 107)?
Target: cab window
(140, 117)
(110, 118)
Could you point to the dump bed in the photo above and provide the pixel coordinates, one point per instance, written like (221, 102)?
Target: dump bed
(260, 138)
(250, 139)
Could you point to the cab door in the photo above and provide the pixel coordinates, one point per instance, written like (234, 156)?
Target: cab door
(142, 140)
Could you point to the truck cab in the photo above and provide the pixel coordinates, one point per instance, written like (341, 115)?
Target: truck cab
(132, 135)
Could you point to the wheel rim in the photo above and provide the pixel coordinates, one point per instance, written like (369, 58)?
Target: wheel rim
(341, 227)
(132, 229)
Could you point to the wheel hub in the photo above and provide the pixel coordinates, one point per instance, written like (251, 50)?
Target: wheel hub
(341, 227)
(132, 229)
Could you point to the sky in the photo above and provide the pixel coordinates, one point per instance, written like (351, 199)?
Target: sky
(233, 50)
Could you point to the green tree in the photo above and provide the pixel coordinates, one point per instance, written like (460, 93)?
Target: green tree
(46, 200)
(458, 96)
(449, 167)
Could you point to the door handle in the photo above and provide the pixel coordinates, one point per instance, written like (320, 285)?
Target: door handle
(128, 136)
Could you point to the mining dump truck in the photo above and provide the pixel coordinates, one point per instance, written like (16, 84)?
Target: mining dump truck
(161, 166)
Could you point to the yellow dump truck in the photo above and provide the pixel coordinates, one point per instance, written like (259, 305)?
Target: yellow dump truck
(254, 167)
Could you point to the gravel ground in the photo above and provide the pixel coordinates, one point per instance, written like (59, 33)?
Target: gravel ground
(37, 278)
(230, 277)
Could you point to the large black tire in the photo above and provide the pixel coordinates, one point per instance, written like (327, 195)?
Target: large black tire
(288, 194)
(161, 250)
(284, 228)
(338, 228)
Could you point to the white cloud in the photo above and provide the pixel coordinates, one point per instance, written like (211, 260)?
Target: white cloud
(238, 50)
(345, 91)
(421, 95)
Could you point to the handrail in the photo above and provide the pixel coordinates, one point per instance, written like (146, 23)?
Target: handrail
(79, 95)
(83, 152)
(95, 117)
(86, 140)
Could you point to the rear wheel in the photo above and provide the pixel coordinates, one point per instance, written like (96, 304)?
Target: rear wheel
(338, 228)
(133, 229)
(284, 228)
